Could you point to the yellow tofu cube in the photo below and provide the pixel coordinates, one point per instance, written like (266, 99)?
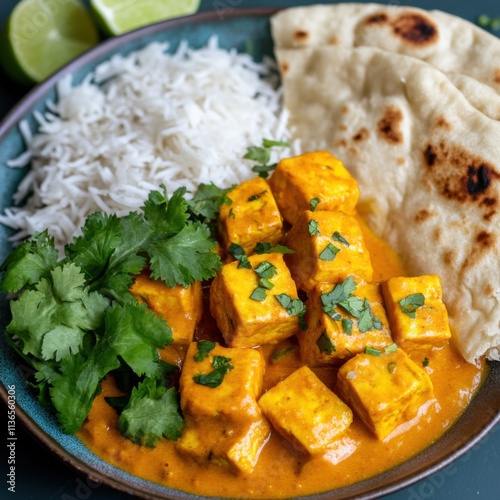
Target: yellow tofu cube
(180, 307)
(248, 314)
(328, 248)
(224, 423)
(384, 390)
(337, 331)
(252, 217)
(417, 314)
(316, 180)
(306, 412)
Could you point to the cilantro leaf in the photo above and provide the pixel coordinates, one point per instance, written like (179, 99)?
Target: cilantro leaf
(325, 344)
(185, 257)
(207, 200)
(294, 307)
(410, 304)
(260, 155)
(259, 294)
(152, 412)
(28, 263)
(329, 252)
(338, 237)
(340, 293)
(269, 143)
(313, 227)
(265, 247)
(205, 347)
(221, 366)
(314, 203)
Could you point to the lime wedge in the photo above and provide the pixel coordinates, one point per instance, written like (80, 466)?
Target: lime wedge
(40, 36)
(120, 16)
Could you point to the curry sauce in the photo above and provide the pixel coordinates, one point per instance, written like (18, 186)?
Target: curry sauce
(281, 471)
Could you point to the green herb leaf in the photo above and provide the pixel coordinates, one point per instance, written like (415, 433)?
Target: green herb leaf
(259, 294)
(392, 367)
(411, 303)
(152, 412)
(269, 143)
(325, 344)
(205, 204)
(314, 203)
(277, 355)
(391, 348)
(373, 352)
(266, 269)
(294, 307)
(239, 254)
(347, 326)
(257, 196)
(329, 252)
(260, 155)
(338, 237)
(205, 347)
(313, 227)
(425, 362)
(265, 247)
(221, 366)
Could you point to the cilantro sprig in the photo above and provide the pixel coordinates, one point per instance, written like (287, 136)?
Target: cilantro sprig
(262, 155)
(75, 321)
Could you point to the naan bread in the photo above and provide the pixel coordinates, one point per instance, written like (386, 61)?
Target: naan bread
(427, 164)
(468, 55)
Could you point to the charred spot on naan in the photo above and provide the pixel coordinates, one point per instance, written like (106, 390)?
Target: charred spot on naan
(496, 76)
(389, 125)
(413, 28)
(416, 29)
(462, 176)
(362, 135)
(423, 215)
(485, 242)
(300, 36)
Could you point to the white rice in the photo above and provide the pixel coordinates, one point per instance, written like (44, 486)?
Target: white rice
(137, 122)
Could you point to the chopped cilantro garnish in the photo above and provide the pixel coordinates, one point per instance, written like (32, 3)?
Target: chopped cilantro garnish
(238, 252)
(329, 252)
(259, 294)
(347, 326)
(294, 307)
(487, 22)
(338, 237)
(425, 362)
(391, 348)
(265, 269)
(392, 367)
(205, 347)
(314, 203)
(325, 344)
(257, 196)
(410, 304)
(313, 227)
(372, 351)
(262, 155)
(221, 366)
(265, 247)
(281, 352)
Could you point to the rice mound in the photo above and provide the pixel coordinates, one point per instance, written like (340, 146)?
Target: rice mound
(139, 121)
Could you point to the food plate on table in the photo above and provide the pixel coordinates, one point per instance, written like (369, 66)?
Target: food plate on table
(478, 418)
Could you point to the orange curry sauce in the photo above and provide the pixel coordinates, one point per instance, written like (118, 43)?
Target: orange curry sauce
(282, 472)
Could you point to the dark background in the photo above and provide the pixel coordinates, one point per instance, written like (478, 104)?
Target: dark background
(40, 476)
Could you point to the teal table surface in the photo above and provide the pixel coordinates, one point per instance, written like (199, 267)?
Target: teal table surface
(41, 476)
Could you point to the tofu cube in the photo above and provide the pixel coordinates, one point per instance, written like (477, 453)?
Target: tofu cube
(328, 340)
(248, 322)
(180, 307)
(224, 423)
(384, 390)
(328, 248)
(306, 412)
(416, 312)
(316, 178)
(252, 217)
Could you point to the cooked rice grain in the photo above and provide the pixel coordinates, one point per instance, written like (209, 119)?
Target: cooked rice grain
(139, 121)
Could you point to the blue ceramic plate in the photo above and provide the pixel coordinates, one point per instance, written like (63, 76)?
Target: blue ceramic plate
(238, 28)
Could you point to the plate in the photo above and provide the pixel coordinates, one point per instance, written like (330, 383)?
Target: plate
(238, 27)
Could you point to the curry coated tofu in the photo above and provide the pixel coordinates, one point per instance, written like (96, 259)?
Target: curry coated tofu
(306, 412)
(252, 216)
(417, 314)
(328, 248)
(385, 389)
(313, 180)
(248, 303)
(342, 320)
(180, 307)
(219, 388)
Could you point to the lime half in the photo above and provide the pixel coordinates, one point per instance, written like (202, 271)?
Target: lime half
(120, 16)
(40, 36)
